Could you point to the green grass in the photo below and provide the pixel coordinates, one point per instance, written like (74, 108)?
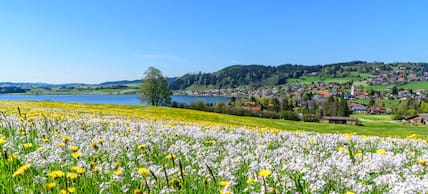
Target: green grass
(362, 75)
(421, 85)
(304, 79)
(376, 125)
(201, 87)
(309, 79)
(388, 103)
(340, 80)
(378, 87)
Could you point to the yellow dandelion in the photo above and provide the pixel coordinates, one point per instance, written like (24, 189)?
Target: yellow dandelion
(359, 154)
(142, 146)
(118, 172)
(50, 185)
(101, 141)
(116, 165)
(381, 151)
(74, 148)
(265, 172)
(138, 191)
(14, 156)
(56, 174)
(71, 189)
(61, 145)
(250, 181)
(21, 170)
(143, 171)
(171, 156)
(349, 192)
(94, 145)
(78, 170)
(97, 169)
(174, 181)
(224, 183)
(421, 162)
(72, 176)
(67, 138)
(2, 141)
(28, 145)
(346, 152)
(76, 155)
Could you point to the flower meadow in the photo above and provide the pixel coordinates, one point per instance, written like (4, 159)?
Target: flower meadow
(54, 150)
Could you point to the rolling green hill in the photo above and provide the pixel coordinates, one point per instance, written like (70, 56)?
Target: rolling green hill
(259, 75)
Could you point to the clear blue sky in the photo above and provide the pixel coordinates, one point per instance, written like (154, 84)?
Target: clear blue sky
(90, 41)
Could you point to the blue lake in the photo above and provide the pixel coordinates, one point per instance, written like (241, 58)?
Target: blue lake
(107, 98)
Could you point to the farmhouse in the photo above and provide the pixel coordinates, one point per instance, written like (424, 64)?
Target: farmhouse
(252, 106)
(376, 110)
(339, 120)
(418, 119)
(358, 108)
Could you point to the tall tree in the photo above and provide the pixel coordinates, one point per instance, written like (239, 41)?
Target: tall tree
(154, 88)
(285, 105)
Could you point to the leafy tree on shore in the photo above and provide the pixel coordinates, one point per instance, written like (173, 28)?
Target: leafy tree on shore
(335, 107)
(154, 88)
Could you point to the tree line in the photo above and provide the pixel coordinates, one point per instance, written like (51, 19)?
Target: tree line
(239, 75)
(284, 108)
(410, 107)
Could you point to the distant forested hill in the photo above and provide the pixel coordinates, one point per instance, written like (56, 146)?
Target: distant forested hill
(238, 75)
(260, 75)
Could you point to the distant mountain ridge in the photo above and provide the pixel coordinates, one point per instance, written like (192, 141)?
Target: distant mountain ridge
(108, 83)
(249, 76)
(109, 87)
(121, 82)
(29, 84)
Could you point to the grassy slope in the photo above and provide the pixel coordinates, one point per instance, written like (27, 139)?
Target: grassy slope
(309, 79)
(415, 85)
(420, 85)
(388, 103)
(372, 125)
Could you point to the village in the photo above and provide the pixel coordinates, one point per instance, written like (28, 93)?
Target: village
(359, 100)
